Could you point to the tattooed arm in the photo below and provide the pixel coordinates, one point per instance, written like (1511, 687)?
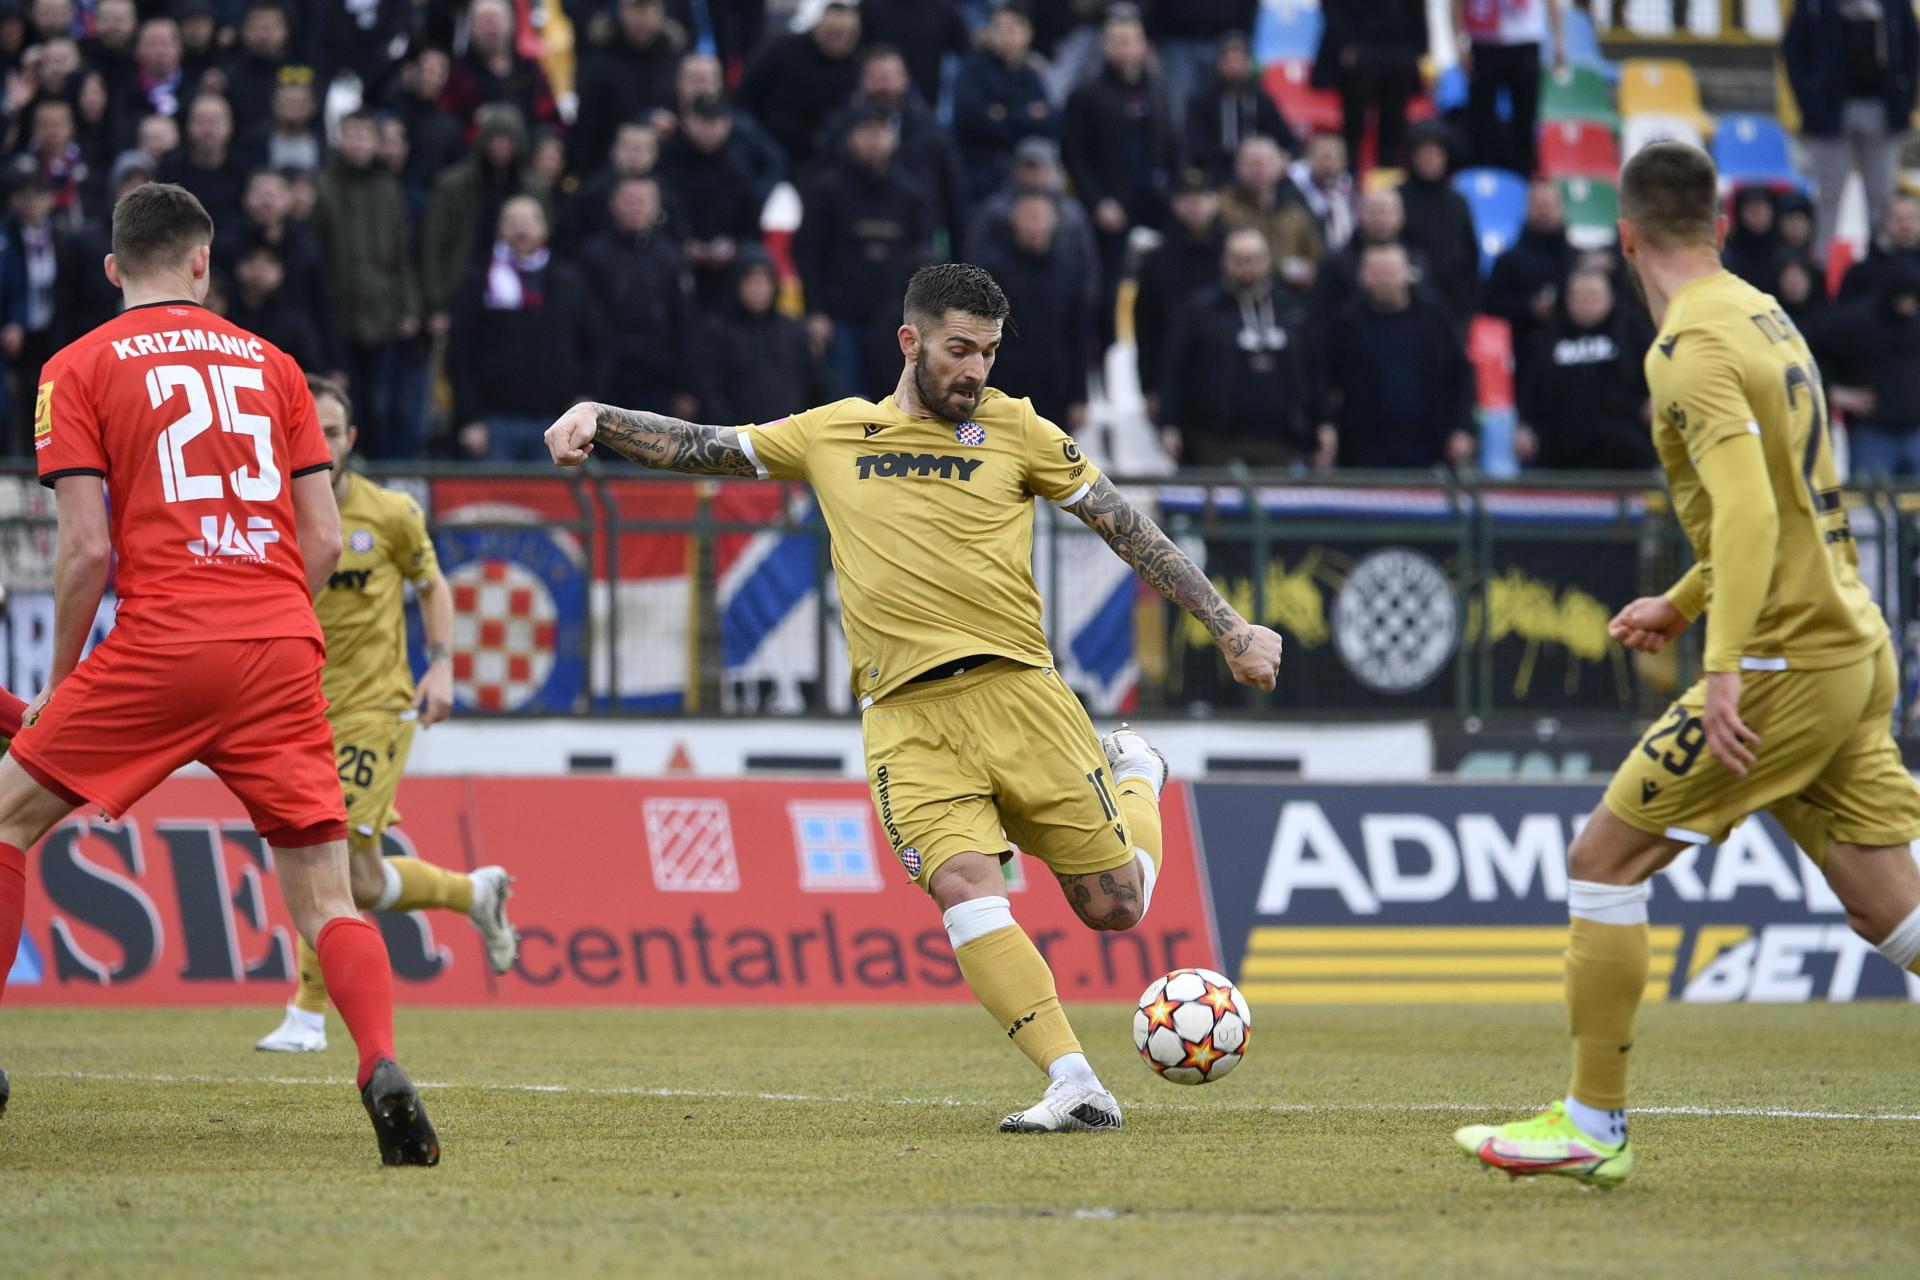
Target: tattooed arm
(1252, 651)
(650, 439)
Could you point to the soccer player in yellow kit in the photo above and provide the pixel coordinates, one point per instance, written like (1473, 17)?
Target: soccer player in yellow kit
(374, 706)
(1794, 713)
(974, 743)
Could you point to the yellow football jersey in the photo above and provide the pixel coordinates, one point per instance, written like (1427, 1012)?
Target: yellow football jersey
(1728, 362)
(931, 523)
(385, 544)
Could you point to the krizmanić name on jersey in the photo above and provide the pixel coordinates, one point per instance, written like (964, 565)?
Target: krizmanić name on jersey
(171, 340)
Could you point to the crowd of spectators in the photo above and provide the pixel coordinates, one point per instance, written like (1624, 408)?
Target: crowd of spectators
(405, 199)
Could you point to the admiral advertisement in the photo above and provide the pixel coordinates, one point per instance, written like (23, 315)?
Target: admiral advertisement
(625, 892)
(1457, 892)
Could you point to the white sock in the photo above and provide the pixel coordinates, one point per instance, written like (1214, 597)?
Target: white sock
(1609, 1127)
(976, 918)
(1074, 1067)
(311, 1021)
(1147, 877)
(1902, 946)
(1608, 903)
(391, 893)
(1148, 771)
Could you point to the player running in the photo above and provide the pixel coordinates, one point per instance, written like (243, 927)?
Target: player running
(1794, 713)
(373, 705)
(974, 743)
(225, 528)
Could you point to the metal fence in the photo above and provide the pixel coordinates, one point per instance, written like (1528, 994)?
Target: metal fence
(609, 590)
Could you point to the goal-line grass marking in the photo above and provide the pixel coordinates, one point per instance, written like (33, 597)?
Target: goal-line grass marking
(745, 1095)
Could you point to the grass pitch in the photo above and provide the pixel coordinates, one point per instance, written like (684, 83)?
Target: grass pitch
(1773, 1141)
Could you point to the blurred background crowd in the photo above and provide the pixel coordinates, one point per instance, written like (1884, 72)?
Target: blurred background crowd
(1285, 234)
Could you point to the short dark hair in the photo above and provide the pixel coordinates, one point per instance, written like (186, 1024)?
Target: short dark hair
(953, 286)
(320, 386)
(1670, 193)
(157, 224)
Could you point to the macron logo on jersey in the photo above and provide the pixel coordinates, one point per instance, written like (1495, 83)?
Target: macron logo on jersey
(168, 341)
(228, 540)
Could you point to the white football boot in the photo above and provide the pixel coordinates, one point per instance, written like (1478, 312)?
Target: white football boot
(1068, 1106)
(1130, 755)
(299, 1032)
(492, 886)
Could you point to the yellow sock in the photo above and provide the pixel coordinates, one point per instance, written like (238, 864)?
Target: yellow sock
(312, 995)
(1606, 977)
(424, 886)
(1141, 807)
(1010, 977)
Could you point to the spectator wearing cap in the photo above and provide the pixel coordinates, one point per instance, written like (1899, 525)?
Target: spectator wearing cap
(258, 303)
(1854, 66)
(83, 296)
(466, 203)
(708, 170)
(252, 72)
(206, 164)
(868, 225)
(1044, 357)
(999, 98)
(926, 32)
(436, 140)
(627, 74)
(644, 311)
(522, 340)
(56, 153)
(1230, 107)
(1399, 389)
(28, 336)
(700, 77)
(293, 137)
(1753, 241)
(1793, 221)
(796, 82)
(1870, 354)
(1036, 167)
(926, 150)
(1439, 225)
(1524, 287)
(1187, 37)
(1898, 241)
(1237, 388)
(1802, 292)
(751, 363)
(1187, 259)
(373, 286)
(1500, 47)
(1120, 145)
(1260, 197)
(635, 154)
(492, 70)
(1370, 53)
(1325, 186)
(1584, 404)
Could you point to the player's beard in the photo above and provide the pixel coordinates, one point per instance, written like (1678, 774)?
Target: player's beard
(937, 399)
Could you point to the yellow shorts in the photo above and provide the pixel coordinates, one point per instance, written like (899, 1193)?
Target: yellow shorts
(1826, 767)
(1002, 756)
(371, 749)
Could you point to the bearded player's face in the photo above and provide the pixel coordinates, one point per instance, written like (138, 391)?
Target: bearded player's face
(952, 361)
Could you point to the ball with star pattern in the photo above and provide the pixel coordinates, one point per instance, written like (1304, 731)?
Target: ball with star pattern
(1192, 1026)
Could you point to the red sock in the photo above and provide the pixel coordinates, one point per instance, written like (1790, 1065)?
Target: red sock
(353, 959)
(11, 711)
(13, 907)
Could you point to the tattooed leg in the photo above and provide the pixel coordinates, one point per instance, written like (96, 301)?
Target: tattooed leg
(1105, 900)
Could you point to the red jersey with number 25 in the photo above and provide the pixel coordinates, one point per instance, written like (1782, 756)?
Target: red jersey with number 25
(198, 428)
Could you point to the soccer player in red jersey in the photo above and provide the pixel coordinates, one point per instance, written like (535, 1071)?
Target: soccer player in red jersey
(202, 442)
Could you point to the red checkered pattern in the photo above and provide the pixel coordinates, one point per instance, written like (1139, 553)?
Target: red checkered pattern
(503, 629)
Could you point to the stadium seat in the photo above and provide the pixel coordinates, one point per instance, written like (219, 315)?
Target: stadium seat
(1583, 42)
(1450, 89)
(1287, 29)
(1592, 206)
(1498, 201)
(1577, 93)
(1662, 87)
(1637, 131)
(1304, 106)
(1752, 148)
(1578, 148)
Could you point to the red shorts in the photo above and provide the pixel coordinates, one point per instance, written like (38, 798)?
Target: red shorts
(250, 710)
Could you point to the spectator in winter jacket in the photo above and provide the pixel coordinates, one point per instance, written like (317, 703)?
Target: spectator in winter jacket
(1854, 66)
(84, 298)
(999, 99)
(522, 340)
(640, 296)
(1439, 226)
(796, 82)
(925, 32)
(154, 83)
(466, 204)
(926, 150)
(1898, 241)
(1871, 358)
(1044, 356)
(1524, 287)
(436, 140)
(1753, 242)
(1802, 291)
(1187, 35)
(708, 171)
(252, 72)
(751, 363)
(628, 76)
(1370, 52)
(52, 145)
(1261, 198)
(1326, 187)
(206, 165)
(635, 154)
(292, 136)
(1505, 39)
(494, 72)
(700, 77)
(1399, 387)
(1230, 108)
(1237, 388)
(1584, 404)
(1382, 220)
(1186, 261)
(266, 209)
(258, 304)
(360, 220)
(30, 333)
(1036, 167)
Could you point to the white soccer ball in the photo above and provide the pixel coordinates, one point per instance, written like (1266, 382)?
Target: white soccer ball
(1192, 1026)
